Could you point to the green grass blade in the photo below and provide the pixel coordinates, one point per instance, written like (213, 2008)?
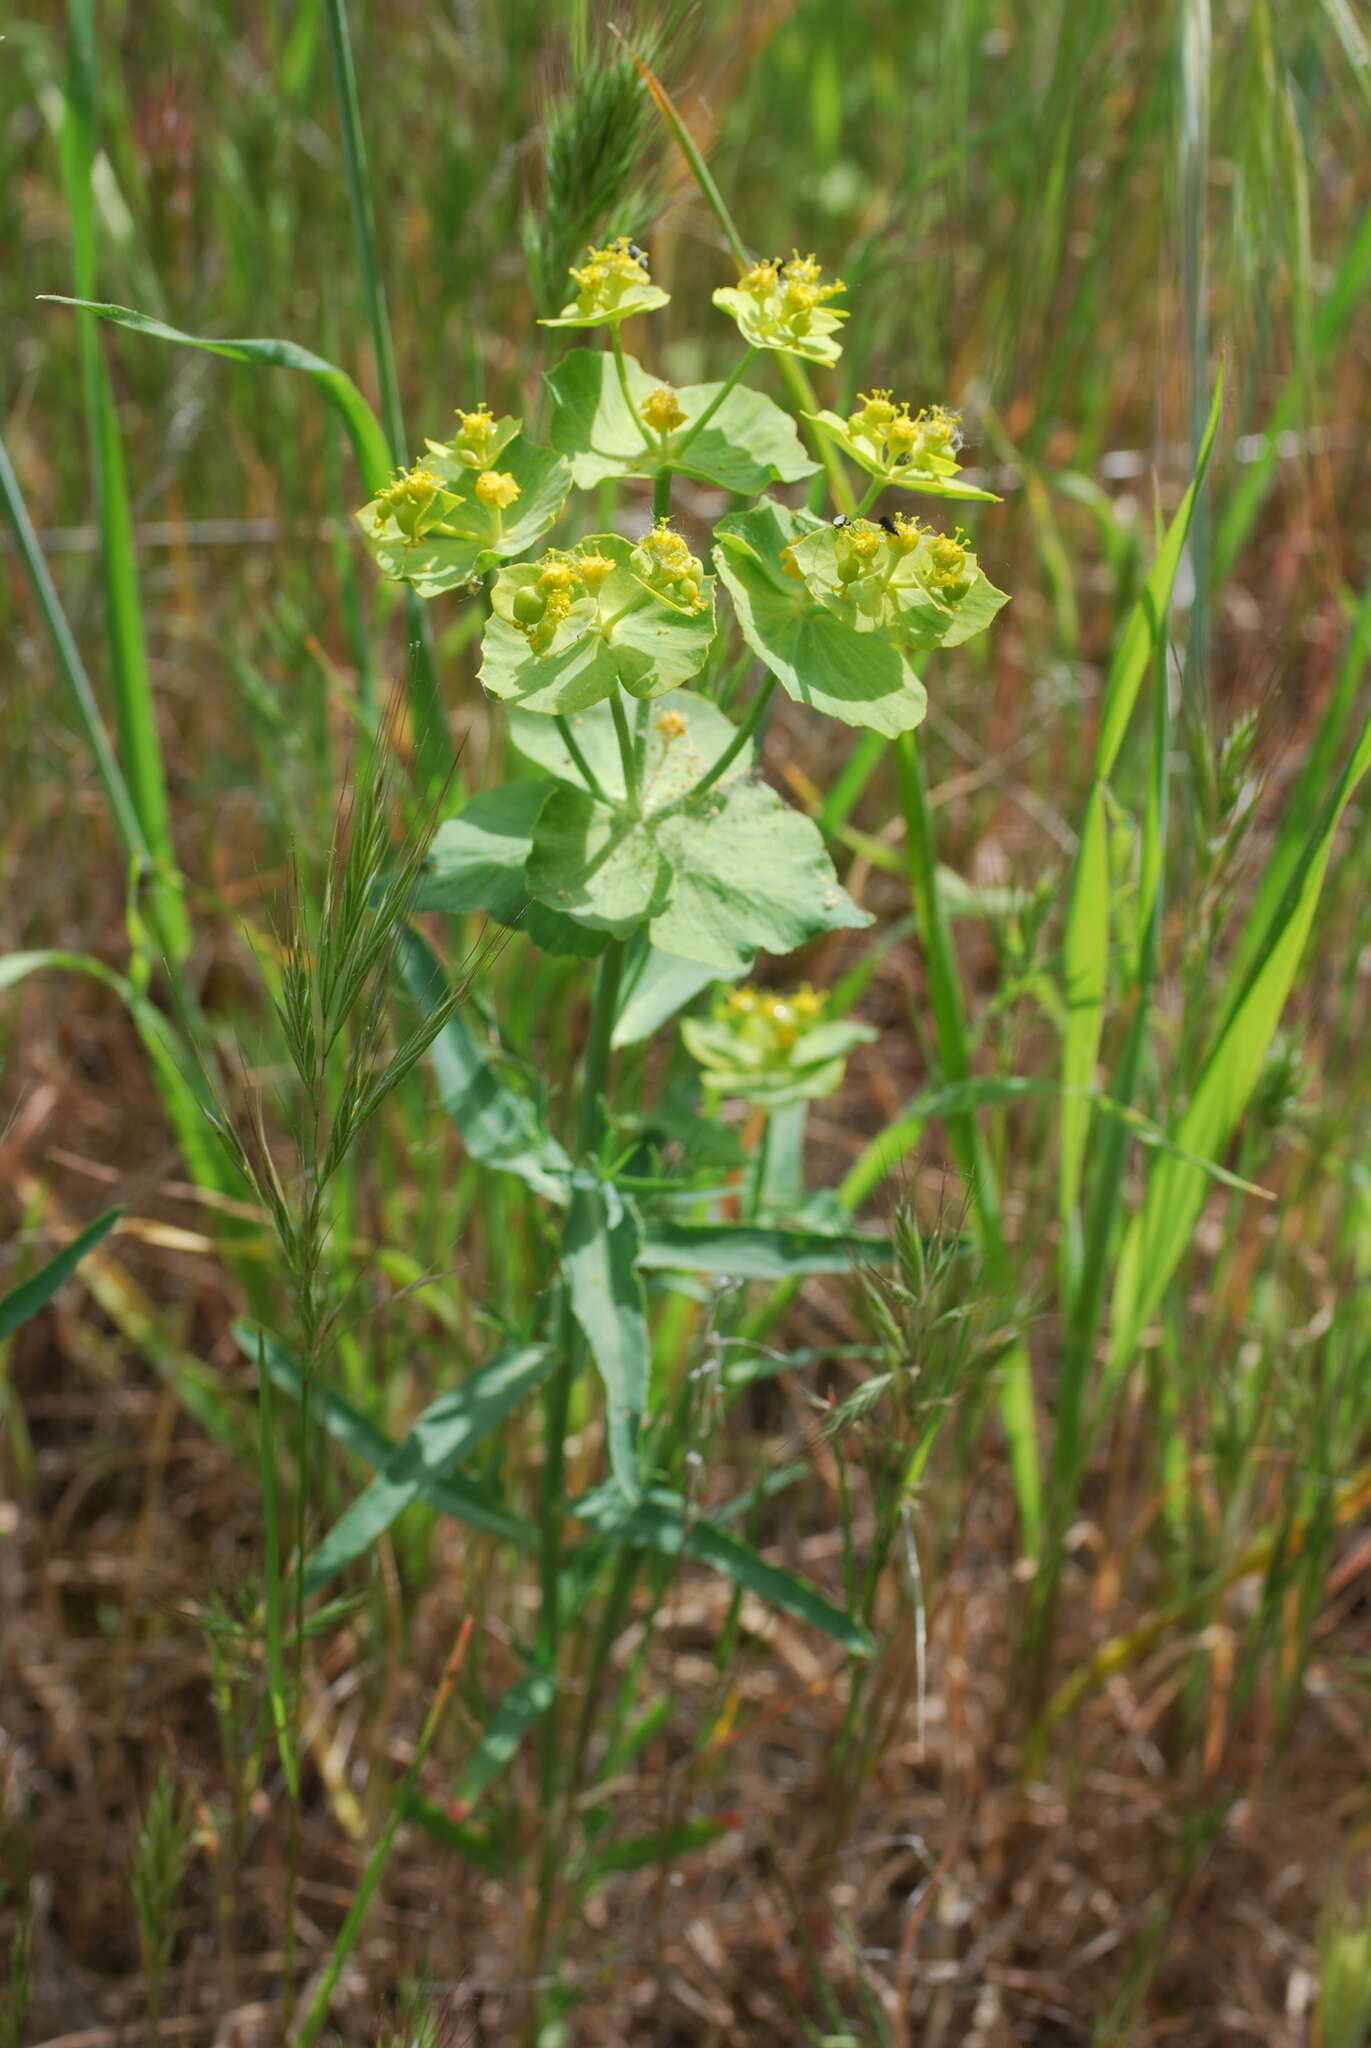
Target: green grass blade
(37, 1291)
(122, 808)
(363, 428)
(180, 1081)
(1300, 807)
(1349, 287)
(1159, 1234)
(973, 1154)
(432, 738)
(1085, 952)
(513, 1714)
(497, 1126)
(740, 1251)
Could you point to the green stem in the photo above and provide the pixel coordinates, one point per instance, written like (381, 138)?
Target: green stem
(945, 996)
(583, 767)
(622, 367)
(627, 753)
(590, 1135)
(870, 495)
(661, 495)
(699, 425)
(944, 987)
(724, 761)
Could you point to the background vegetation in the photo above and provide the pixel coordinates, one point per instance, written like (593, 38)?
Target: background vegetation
(1121, 1797)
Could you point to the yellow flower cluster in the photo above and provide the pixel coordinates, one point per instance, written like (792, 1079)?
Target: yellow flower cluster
(409, 498)
(477, 432)
(897, 438)
(564, 579)
(608, 276)
(661, 410)
(791, 293)
(771, 1022)
(663, 559)
(496, 488)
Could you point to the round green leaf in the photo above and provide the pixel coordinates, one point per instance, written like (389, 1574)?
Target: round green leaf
(748, 444)
(862, 677)
(748, 874)
(477, 860)
(599, 866)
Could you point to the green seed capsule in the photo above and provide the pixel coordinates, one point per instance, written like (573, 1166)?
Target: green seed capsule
(528, 607)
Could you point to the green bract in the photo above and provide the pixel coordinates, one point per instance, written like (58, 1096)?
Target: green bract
(907, 465)
(459, 534)
(744, 445)
(921, 587)
(611, 285)
(564, 632)
(820, 659)
(784, 306)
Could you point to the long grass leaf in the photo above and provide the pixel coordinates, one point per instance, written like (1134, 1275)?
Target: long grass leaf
(363, 428)
(1159, 1234)
(660, 1522)
(1085, 950)
(37, 1291)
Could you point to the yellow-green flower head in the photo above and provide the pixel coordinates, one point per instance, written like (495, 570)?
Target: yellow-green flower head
(772, 1047)
(673, 725)
(661, 410)
(948, 571)
(785, 306)
(613, 283)
(917, 451)
(892, 574)
(664, 562)
(497, 488)
(415, 500)
(478, 441)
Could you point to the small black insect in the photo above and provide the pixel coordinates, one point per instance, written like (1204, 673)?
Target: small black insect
(638, 255)
(841, 519)
(887, 523)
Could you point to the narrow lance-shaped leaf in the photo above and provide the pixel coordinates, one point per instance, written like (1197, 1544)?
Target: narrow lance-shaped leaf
(446, 1431)
(497, 1126)
(660, 1522)
(741, 1251)
(599, 1260)
(517, 1710)
(460, 1500)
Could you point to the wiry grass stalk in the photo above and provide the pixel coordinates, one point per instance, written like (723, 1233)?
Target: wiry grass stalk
(432, 740)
